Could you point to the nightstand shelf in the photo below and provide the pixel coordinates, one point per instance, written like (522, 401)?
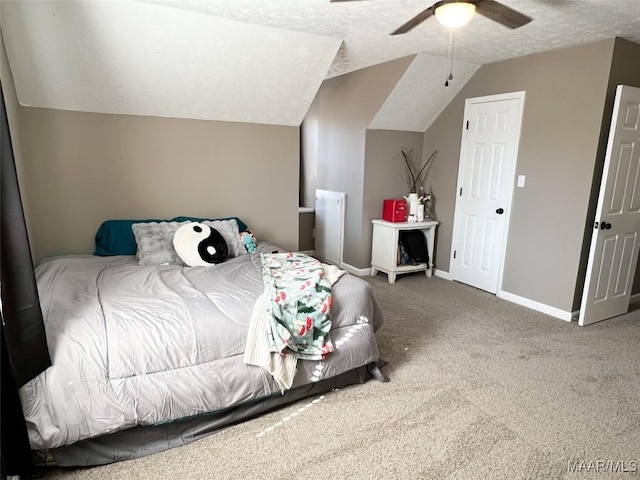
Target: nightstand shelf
(384, 248)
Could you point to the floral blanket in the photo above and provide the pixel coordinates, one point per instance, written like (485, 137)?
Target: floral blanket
(291, 320)
(300, 304)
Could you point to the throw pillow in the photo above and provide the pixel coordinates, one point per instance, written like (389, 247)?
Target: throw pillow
(155, 242)
(198, 244)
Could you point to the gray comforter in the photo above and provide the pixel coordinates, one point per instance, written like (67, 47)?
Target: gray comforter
(141, 345)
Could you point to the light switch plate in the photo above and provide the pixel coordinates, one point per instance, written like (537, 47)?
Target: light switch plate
(521, 181)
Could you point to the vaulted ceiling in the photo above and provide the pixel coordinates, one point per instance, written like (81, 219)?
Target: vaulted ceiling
(263, 61)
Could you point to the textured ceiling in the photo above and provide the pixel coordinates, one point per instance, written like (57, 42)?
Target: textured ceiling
(420, 96)
(134, 58)
(262, 61)
(365, 26)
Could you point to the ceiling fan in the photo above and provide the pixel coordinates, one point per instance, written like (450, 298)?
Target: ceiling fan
(456, 13)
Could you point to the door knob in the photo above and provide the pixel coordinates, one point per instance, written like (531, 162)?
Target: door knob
(608, 226)
(500, 211)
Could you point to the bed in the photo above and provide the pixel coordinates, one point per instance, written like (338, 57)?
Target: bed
(152, 354)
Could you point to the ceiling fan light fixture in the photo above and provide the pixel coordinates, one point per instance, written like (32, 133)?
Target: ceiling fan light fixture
(455, 14)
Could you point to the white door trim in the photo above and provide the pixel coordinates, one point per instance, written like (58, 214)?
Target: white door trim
(520, 96)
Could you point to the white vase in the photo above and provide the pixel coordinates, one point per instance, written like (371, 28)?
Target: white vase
(412, 203)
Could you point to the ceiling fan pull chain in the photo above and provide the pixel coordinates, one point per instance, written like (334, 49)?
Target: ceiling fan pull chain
(452, 37)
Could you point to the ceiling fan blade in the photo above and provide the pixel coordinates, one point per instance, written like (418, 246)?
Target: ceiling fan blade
(500, 13)
(414, 22)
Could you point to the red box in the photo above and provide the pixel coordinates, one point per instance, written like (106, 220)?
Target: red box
(394, 210)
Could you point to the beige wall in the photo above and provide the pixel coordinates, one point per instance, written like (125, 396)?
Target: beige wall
(343, 109)
(565, 98)
(384, 176)
(83, 168)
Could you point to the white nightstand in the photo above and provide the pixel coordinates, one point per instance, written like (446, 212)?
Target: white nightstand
(384, 248)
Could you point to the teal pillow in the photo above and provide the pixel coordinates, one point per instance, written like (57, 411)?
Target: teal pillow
(115, 237)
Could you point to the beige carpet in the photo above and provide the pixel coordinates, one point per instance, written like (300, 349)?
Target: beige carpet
(479, 388)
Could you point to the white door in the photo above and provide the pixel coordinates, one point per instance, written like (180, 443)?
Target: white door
(329, 225)
(613, 254)
(491, 133)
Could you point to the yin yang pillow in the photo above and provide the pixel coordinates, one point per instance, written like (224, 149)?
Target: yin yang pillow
(198, 244)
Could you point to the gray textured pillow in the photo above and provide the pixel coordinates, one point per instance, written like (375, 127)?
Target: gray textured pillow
(231, 234)
(155, 242)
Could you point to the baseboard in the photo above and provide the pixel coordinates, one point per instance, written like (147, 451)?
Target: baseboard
(532, 304)
(443, 274)
(540, 307)
(358, 272)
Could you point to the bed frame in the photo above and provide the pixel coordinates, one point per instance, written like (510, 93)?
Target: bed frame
(144, 440)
